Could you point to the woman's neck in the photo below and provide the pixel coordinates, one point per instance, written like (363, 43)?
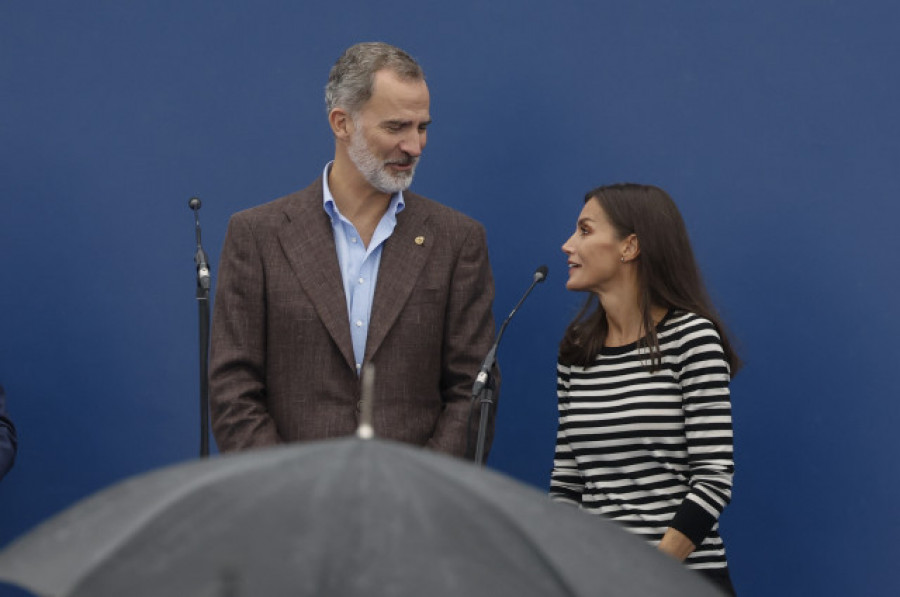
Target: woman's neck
(625, 317)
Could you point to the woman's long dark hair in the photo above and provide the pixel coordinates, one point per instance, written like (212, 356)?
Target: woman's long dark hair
(667, 273)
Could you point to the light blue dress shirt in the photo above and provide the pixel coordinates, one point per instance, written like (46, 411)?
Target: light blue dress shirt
(359, 264)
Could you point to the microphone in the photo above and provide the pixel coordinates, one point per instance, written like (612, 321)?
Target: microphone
(540, 274)
(200, 257)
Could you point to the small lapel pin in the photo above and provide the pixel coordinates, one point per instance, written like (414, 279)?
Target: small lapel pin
(420, 240)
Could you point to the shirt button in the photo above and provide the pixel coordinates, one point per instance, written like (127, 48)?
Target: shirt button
(358, 323)
(361, 280)
(352, 239)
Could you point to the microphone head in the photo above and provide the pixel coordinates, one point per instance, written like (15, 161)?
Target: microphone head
(194, 203)
(540, 274)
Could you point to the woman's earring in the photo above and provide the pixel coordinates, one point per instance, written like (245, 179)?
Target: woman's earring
(623, 259)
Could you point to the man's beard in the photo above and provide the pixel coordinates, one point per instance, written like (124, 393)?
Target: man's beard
(375, 170)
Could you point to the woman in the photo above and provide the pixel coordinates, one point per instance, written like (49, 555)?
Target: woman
(644, 411)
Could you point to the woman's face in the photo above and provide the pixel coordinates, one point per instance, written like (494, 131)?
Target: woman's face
(594, 251)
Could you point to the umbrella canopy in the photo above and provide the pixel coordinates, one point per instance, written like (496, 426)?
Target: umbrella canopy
(341, 517)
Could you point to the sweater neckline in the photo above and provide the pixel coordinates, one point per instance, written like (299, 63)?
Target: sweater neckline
(625, 348)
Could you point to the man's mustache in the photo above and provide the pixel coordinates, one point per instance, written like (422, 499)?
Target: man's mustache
(406, 160)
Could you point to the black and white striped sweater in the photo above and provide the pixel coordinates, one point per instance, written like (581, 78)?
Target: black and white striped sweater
(651, 450)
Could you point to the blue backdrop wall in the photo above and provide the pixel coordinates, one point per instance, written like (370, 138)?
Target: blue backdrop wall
(773, 124)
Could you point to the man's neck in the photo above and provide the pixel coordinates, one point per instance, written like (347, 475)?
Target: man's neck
(357, 200)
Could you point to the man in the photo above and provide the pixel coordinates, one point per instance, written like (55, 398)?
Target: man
(351, 271)
(8, 444)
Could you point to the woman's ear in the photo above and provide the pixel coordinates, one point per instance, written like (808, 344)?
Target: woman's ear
(631, 248)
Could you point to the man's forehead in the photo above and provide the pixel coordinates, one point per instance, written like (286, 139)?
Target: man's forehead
(389, 83)
(404, 100)
(385, 75)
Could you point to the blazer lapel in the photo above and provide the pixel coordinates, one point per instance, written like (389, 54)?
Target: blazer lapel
(308, 243)
(403, 256)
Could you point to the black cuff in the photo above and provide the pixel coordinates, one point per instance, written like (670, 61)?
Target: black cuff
(693, 521)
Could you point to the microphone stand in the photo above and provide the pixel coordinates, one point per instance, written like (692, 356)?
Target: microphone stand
(202, 262)
(486, 397)
(483, 389)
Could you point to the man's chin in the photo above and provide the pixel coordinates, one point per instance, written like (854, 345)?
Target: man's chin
(392, 184)
(398, 181)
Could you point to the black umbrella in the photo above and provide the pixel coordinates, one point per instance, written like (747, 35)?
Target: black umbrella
(341, 517)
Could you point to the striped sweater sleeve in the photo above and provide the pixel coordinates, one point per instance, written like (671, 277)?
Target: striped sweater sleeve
(704, 377)
(566, 484)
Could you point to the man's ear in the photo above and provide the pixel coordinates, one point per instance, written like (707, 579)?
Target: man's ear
(341, 123)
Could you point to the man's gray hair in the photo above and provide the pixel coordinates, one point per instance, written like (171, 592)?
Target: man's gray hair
(352, 77)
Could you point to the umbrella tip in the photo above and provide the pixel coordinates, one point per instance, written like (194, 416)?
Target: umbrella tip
(365, 429)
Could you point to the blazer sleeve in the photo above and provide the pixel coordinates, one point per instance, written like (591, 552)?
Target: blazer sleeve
(468, 334)
(237, 389)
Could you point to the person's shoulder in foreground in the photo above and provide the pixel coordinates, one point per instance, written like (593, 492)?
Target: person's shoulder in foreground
(8, 439)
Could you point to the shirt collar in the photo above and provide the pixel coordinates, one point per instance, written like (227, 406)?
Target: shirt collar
(396, 205)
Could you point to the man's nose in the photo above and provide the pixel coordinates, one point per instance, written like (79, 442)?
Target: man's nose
(413, 143)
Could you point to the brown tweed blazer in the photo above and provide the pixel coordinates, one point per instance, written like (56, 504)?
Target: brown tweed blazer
(281, 357)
